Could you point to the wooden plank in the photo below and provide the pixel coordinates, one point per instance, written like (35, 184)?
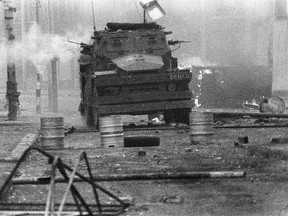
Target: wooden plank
(138, 108)
(143, 97)
(13, 213)
(138, 177)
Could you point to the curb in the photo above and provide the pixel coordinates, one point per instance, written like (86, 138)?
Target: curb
(17, 123)
(24, 144)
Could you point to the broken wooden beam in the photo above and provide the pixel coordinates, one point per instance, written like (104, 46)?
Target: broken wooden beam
(13, 213)
(136, 177)
(252, 126)
(141, 141)
(250, 114)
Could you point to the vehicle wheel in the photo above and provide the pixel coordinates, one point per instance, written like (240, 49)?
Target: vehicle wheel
(182, 115)
(95, 113)
(96, 119)
(89, 118)
(168, 116)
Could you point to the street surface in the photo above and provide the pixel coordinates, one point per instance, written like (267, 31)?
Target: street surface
(262, 192)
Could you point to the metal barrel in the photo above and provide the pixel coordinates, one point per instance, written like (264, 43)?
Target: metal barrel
(52, 132)
(201, 127)
(111, 131)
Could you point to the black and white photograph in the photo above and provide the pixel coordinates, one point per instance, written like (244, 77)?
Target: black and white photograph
(143, 107)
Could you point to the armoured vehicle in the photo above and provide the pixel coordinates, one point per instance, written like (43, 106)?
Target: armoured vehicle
(128, 68)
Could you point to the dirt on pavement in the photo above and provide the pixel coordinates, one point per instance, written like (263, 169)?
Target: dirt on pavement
(263, 191)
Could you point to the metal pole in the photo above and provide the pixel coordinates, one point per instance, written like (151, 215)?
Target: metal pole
(51, 17)
(23, 39)
(11, 94)
(203, 31)
(3, 61)
(38, 93)
(54, 74)
(93, 14)
(50, 198)
(38, 84)
(70, 183)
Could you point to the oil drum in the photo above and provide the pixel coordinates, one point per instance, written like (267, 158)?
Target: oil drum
(201, 127)
(111, 131)
(52, 132)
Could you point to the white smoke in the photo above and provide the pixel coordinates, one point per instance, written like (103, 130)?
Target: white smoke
(40, 48)
(186, 61)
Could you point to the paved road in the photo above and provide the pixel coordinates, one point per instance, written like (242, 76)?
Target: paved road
(262, 192)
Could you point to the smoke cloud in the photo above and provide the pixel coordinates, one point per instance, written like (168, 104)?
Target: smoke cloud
(40, 48)
(223, 43)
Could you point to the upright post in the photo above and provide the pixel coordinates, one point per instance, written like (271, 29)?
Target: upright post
(53, 65)
(3, 60)
(50, 17)
(203, 31)
(23, 39)
(11, 91)
(38, 84)
(54, 79)
(144, 16)
(38, 93)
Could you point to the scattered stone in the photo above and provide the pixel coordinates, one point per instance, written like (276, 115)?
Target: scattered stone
(141, 153)
(174, 199)
(237, 144)
(243, 140)
(141, 208)
(156, 198)
(128, 199)
(195, 142)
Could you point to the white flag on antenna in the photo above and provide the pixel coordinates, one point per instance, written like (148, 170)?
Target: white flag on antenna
(152, 8)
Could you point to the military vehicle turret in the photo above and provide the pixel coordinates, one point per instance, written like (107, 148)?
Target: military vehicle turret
(128, 68)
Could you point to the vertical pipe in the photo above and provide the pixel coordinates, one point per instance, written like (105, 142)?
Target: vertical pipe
(23, 39)
(50, 197)
(11, 91)
(203, 31)
(93, 14)
(37, 12)
(38, 84)
(38, 94)
(54, 73)
(51, 17)
(3, 54)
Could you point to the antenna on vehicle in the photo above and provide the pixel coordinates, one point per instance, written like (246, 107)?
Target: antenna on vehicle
(93, 14)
